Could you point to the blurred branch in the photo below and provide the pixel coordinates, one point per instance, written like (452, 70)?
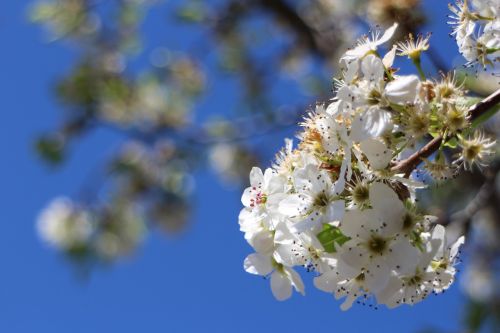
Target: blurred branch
(294, 21)
(317, 42)
(485, 196)
(436, 60)
(408, 165)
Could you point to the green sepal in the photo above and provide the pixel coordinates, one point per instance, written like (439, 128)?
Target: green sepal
(452, 143)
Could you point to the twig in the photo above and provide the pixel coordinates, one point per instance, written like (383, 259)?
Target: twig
(286, 13)
(408, 165)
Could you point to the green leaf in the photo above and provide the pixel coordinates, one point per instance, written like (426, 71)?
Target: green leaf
(331, 235)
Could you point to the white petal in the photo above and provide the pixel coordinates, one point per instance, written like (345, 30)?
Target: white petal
(403, 89)
(357, 52)
(248, 194)
(346, 271)
(455, 247)
(404, 257)
(388, 207)
(283, 235)
(256, 177)
(354, 255)
(296, 280)
(371, 123)
(352, 71)
(281, 286)
(334, 212)
(389, 57)
(291, 255)
(327, 281)
(262, 241)
(355, 224)
(258, 264)
(388, 34)
(377, 274)
(335, 108)
(339, 185)
(439, 233)
(431, 248)
(294, 205)
(311, 221)
(345, 94)
(273, 182)
(390, 294)
(377, 153)
(348, 302)
(248, 220)
(372, 68)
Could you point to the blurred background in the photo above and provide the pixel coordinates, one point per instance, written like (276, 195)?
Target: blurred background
(140, 120)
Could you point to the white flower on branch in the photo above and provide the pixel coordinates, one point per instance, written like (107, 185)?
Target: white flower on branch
(343, 202)
(64, 225)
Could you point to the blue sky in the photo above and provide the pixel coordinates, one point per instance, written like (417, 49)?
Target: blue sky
(191, 283)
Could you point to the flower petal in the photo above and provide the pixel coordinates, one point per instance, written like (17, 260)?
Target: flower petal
(403, 89)
(281, 286)
(403, 257)
(354, 255)
(258, 264)
(387, 34)
(376, 274)
(355, 224)
(388, 207)
(377, 153)
(296, 280)
(256, 177)
(327, 281)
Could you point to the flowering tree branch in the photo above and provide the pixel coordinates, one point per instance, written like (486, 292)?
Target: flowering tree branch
(408, 165)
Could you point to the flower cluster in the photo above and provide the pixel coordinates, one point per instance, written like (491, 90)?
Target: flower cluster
(342, 205)
(64, 225)
(476, 27)
(85, 233)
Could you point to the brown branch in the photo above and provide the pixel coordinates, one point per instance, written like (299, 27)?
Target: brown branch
(282, 10)
(481, 107)
(317, 42)
(408, 165)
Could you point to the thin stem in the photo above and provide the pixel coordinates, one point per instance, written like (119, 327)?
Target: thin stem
(418, 64)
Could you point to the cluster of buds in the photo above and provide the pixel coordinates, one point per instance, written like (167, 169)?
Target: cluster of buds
(342, 203)
(476, 28)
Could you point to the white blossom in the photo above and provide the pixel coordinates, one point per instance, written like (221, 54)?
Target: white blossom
(64, 225)
(340, 205)
(315, 200)
(283, 278)
(370, 43)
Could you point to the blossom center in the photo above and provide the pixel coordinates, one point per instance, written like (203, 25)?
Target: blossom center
(360, 193)
(374, 97)
(408, 221)
(321, 200)
(472, 151)
(377, 244)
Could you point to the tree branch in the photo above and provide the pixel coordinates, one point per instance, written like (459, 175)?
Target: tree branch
(408, 165)
(319, 43)
(287, 14)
